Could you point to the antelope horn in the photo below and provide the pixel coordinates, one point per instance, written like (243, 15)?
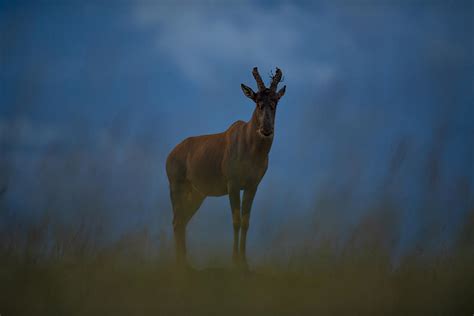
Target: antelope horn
(276, 79)
(256, 75)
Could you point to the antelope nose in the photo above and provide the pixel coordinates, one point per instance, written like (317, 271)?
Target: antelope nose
(267, 131)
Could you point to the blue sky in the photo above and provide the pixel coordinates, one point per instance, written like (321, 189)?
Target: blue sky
(94, 96)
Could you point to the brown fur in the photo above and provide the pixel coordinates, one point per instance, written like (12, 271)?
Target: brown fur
(221, 164)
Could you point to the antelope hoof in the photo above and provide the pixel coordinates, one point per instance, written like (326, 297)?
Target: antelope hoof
(241, 265)
(235, 261)
(183, 265)
(244, 266)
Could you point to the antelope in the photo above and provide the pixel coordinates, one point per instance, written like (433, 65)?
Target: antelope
(224, 164)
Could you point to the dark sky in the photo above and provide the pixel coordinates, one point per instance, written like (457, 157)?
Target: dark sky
(379, 111)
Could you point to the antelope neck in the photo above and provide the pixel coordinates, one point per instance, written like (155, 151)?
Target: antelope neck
(257, 143)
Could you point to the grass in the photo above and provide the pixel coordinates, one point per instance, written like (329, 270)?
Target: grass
(46, 270)
(349, 285)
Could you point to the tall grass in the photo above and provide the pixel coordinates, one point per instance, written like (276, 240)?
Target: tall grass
(52, 270)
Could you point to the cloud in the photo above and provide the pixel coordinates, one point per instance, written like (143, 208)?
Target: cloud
(202, 41)
(24, 132)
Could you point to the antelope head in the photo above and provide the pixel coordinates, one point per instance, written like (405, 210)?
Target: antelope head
(266, 100)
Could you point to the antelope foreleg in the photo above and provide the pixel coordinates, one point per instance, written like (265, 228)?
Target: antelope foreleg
(246, 208)
(234, 197)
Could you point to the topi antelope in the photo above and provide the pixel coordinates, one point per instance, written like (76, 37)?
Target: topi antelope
(224, 163)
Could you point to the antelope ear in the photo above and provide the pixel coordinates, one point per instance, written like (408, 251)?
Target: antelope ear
(281, 92)
(248, 92)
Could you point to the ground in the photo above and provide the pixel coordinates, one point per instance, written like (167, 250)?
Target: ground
(345, 287)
